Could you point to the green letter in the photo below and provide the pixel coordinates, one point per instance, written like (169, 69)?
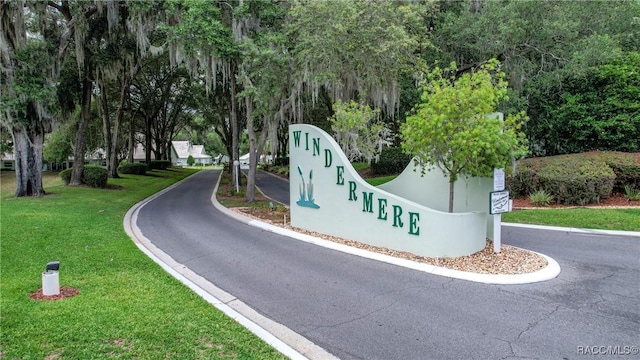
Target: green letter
(414, 229)
(352, 191)
(382, 209)
(316, 146)
(306, 136)
(296, 138)
(340, 180)
(328, 158)
(397, 212)
(367, 201)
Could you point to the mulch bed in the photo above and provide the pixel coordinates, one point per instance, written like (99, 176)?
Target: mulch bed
(65, 292)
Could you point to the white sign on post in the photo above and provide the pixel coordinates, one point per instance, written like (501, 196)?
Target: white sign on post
(499, 202)
(498, 179)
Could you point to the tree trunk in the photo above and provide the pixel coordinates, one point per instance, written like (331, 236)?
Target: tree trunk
(235, 138)
(452, 182)
(256, 146)
(106, 122)
(27, 144)
(81, 133)
(112, 154)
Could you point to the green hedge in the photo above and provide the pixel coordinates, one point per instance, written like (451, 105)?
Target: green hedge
(577, 180)
(574, 179)
(626, 166)
(133, 168)
(160, 164)
(392, 161)
(93, 176)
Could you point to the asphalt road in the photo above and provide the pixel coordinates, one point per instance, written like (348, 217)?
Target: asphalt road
(357, 308)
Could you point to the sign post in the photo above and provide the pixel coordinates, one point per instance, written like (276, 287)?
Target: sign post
(499, 204)
(236, 166)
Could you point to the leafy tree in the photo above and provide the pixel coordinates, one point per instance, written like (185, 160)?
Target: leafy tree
(27, 93)
(190, 160)
(359, 131)
(451, 129)
(357, 50)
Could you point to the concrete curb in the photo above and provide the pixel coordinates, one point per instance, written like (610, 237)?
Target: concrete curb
(278, 336)
(576, 230)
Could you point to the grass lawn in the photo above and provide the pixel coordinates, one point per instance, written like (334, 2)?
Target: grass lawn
(603, 219)
(128, 307)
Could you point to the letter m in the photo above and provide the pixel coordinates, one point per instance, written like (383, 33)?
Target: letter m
(367, 202)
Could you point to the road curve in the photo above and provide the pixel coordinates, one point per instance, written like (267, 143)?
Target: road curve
(357, 308)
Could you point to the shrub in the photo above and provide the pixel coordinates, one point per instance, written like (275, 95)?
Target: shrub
(190, 160)
(133, 168)
(631, 193)
(626, 166)
(65, 175)
(576, 179)
(160, 164)
(95, 176)
(541, 198)
(392, 160)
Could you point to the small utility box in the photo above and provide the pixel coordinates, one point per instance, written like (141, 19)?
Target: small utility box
(51, 279)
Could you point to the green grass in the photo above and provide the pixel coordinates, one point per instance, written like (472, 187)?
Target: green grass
(380, 180)
(128, 307)
(360, 165)
(603, 219)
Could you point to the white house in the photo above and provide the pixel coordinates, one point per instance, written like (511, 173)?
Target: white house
(180, 151)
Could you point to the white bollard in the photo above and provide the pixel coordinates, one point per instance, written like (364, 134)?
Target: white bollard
(50, 283)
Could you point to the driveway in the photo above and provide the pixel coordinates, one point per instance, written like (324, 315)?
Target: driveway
(357, 308)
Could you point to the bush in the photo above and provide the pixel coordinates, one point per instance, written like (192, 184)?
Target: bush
(570, 179)
(95, 176)
(626, 166)
(526, 179)
(160, 164)
(65, 175)
(631, 193)
(392, 160)
(540, 198)
(133, 168)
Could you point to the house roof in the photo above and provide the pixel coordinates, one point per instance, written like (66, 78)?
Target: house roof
(184, 148)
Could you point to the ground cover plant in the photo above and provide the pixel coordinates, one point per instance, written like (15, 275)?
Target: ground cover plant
(127, 306)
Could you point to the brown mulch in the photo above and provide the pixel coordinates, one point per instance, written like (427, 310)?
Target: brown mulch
(615, 201)
(65, 292)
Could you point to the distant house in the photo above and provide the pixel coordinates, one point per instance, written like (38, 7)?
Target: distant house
(180, 151)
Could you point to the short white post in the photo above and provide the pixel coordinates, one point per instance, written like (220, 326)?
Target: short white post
(236, 166)
(50, 283)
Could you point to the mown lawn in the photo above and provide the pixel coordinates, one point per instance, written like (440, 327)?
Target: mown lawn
(128, 307)
(585, 218)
